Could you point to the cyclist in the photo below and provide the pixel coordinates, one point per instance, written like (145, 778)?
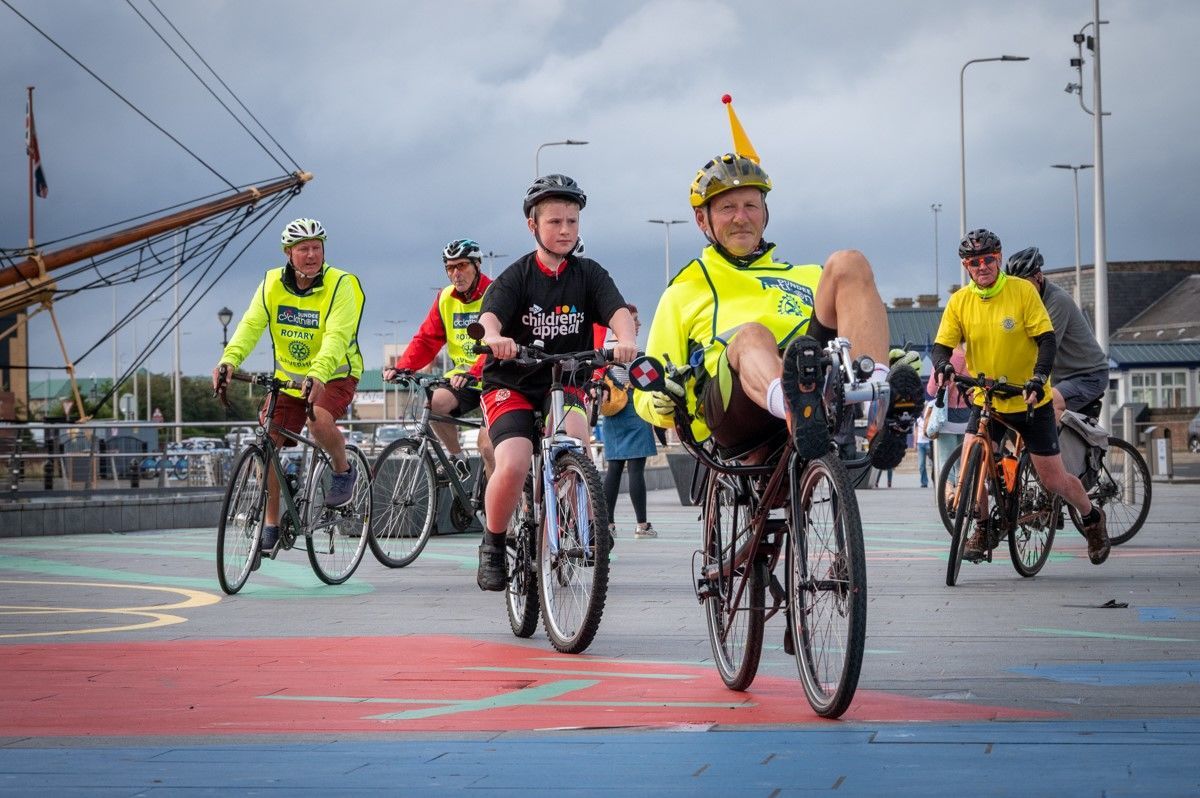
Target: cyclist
(454, 309)
(1008, 334)
(312, 312)
(554, 296)
(1080, 365)
(732, 311)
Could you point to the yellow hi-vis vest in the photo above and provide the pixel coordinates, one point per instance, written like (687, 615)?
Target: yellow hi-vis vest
(312, 334)
(456, 317)
(705, 305)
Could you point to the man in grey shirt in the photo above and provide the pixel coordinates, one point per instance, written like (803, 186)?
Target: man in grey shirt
(1080, 365)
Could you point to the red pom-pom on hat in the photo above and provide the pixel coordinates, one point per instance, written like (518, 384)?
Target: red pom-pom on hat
(725, 98)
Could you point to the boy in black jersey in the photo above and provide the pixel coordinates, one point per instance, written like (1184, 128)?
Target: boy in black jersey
(553, 296)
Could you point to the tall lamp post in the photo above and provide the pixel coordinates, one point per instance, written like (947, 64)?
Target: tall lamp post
(490, 256)
(1078, 268)
(224, 315)
(666, 223)
(962, 147)
(937, 281)
(537, 169)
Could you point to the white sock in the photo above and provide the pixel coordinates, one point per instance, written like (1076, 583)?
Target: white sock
(879, 374)
(775, 404)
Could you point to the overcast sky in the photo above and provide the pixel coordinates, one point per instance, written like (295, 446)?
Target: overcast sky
(420, 122)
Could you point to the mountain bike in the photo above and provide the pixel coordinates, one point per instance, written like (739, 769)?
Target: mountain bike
(802, 513)
(406, 479)
(999, 491)
(336, 537)
(1115, 476)
(557, 543)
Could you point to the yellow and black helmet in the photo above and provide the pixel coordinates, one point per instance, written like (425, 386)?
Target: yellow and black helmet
(725, 172)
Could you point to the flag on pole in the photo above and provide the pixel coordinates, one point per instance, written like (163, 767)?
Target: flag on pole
(31, 149)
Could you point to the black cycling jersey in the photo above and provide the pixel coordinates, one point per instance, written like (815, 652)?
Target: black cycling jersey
(557, 309)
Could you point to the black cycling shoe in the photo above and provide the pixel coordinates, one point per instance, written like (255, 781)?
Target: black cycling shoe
(803, 368)
(491, 574)
(906, 402)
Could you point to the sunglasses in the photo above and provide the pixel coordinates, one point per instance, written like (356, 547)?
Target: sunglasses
(455, 267)
(982, 260)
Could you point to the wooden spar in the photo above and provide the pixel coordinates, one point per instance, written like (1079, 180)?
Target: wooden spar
(31, 268)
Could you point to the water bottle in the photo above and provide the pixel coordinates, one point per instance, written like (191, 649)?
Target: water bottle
(293, 484)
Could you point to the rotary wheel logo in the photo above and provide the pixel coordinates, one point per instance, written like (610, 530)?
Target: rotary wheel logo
(298, 351)
(789, 306)
(1009, 323)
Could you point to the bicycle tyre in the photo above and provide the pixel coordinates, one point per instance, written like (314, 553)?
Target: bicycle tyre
(337, 536)
(404, 490)
(964, 514)
(734, 609)
(827, 584)
(1124, 518)
(573, 582)
(521, 593)
(240, 528)
(946, 483)
(1037, 514)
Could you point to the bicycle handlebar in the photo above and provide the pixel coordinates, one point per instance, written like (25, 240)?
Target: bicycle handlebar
(268, 381)
(533, 355)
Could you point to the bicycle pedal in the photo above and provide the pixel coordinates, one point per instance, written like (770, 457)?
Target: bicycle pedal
(705, 590)
(789, 644)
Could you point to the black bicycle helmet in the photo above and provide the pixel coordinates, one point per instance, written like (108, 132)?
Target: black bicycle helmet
(1025, 263)
(549, 186)
(978, 242)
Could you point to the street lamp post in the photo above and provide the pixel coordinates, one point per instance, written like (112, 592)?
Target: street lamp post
(537, 170)
(666, 223)
(490, 256)
(1078, 268)
(224, 315)
(962, 147)
(937, 281)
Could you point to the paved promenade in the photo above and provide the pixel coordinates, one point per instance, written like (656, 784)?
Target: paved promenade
(127, 672)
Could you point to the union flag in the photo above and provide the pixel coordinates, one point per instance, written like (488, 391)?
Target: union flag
(31, 149)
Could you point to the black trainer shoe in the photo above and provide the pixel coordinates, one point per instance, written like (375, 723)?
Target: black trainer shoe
(803, 371)
(906, 402)
(491, 574)
(1097, 538)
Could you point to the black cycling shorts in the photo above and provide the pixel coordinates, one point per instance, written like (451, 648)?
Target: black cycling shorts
(1040, 433)
(467, 398)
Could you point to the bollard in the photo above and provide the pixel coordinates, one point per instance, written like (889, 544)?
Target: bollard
(14, 470)
(48, 466)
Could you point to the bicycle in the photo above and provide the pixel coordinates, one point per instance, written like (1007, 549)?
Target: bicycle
(336, 537)
(1003, 491)
(557, 543)
(802, 513)
(1115, 476)
(406, 478)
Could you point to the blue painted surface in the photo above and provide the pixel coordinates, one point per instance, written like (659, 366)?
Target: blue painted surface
(1152, 614)
(1119, 674)
(1110, 758)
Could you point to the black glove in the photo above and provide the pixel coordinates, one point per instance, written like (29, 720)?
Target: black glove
(1035, 386)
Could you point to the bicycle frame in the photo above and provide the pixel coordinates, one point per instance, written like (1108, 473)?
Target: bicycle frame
(430, 442)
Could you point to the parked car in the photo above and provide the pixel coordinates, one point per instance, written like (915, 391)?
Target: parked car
(352, 436)
(239, 437)
(1194, 434)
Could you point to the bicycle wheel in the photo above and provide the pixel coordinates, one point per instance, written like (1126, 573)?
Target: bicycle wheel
(521, 595)
(1122, 489)
(404, 491)
(240, 527)
(946, 485)
(1038, 511)
(573, 557)
(827, 586)
(965, 513)
(337, 536)
(733, 590)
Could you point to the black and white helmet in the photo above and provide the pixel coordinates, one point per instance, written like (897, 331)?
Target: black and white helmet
(578, 251)
(1025, 263)
(553, 186)
(462, 248)
(301, 230)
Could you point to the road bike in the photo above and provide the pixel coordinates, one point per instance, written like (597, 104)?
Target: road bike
(407, 477)
(557, 543)
(1115, 476)
(802, 513)
(336, 537)
(999, 492)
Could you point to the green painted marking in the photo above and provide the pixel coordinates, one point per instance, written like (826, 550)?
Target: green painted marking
(572, 672)
(516, 698)
(1105, 635)
(304, 581)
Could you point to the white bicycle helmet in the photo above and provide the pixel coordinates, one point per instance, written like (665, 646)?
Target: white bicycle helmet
(462, 248)
(301, 230)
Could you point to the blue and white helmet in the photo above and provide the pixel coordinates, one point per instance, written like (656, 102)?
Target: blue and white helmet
(462, 248)
(301, 230)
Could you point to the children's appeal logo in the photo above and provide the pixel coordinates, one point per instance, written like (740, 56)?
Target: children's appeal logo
(547, 324)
